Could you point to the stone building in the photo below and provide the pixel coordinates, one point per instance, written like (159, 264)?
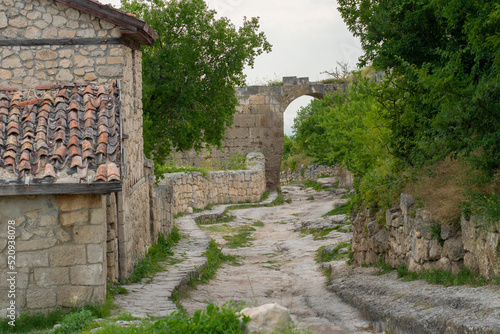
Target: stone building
(74, 189)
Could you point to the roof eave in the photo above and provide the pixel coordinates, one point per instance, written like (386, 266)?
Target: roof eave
(135, 28)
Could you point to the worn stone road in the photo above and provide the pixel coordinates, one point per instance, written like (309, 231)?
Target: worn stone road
(279, 266)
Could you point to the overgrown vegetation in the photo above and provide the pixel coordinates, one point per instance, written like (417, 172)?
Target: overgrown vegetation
(430, 125)
(151, 263)
(334, 254)
(313, 184)
(464, 277)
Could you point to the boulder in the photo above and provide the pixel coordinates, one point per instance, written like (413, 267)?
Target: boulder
(267, 318)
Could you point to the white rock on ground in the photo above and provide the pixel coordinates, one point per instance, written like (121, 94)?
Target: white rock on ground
(267, 318)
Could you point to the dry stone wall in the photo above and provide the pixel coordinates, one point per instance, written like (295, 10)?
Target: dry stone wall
(195, 191)
(315, 171)
(60, 251)
(407, 235)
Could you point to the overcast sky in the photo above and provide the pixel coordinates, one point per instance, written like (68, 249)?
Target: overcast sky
(308, 37)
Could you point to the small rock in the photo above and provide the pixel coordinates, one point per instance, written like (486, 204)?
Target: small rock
(189, 210)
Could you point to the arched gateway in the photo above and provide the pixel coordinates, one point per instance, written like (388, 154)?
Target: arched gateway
(258, 125)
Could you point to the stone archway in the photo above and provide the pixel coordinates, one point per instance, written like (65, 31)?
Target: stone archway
(259, 123)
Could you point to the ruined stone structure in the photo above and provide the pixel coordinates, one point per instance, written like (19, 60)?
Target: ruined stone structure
(258, 125)
(408, 235)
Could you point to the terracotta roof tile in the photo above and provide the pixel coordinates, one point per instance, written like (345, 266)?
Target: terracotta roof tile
(60, 132)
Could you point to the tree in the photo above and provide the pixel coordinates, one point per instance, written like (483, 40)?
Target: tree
(190, 73)
(442, 90)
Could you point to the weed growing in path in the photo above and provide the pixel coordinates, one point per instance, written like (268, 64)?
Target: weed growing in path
(334, 254)
(157, 253)
(241, 238)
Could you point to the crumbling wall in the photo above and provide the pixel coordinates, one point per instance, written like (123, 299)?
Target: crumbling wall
(315, 171)
(405, 234)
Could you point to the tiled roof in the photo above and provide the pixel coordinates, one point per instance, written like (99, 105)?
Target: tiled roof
(61, 132)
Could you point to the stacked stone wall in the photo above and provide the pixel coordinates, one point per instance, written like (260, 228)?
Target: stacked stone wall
(315, 171)
(60, 251)
(407, 235)
(196, 191)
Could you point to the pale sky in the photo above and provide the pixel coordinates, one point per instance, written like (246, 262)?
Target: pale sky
(308, 37)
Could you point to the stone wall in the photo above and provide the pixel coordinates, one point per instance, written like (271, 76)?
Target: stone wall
(315, 171)
(60, 251)
(408, 235)
(194, 190)
(27, 66)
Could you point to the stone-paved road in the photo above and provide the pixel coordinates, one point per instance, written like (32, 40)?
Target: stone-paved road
(279, 266)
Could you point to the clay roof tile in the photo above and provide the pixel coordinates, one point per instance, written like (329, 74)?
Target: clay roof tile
(49, 171)
(101, 174)
(113, 172)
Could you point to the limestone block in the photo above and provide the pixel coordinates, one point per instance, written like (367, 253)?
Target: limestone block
(37, 244)
(32, 259)
(5, 75)
(13, 62)
(98, 216)
(62, 235)
(74, 218)
(406, 203)
(435, 250)
(78, 202)
(67, 255)
(32, 33)
(471, 262)
(73, 296)
(3, 20)
(46, 54)
(91, 274)
(453, 249)
(95, 253)
(86, 234)
(40, 298)
(18, 22)
(64, 75)
(51, 276)
(444, 264)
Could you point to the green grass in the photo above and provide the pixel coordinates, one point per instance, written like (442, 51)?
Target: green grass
(313, 184)
(171, 168)
(220, 219)
(264, 196)
(340, 210)
(310, 198)
(151, 264)
(241, 238)
(321, 234)
(258, 223)
(212, 319)
(442, 277)
(334, 254)
(29, 322)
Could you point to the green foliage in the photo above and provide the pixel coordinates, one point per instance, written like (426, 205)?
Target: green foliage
(241, 238)
(211, 320)
(29, 322)
(339, 210)
(258, 223)
(75, 322)
(215, 259)
(436, 232)
(334, 254)
(264, 196)
(216, 219)
(441, 95)
(190, 72)
(150, 264)
(310, 198)
(442, 277)
(313, 184)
